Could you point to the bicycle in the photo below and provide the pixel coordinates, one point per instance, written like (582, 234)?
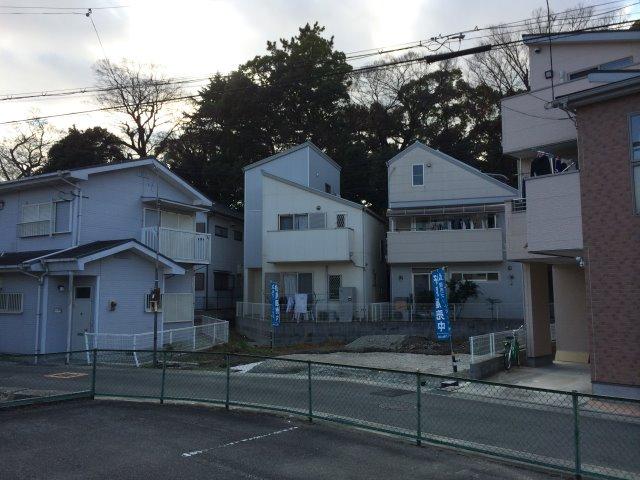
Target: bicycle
(511, 350)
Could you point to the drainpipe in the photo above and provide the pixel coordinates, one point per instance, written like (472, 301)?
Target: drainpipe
(78, 195)
(69, 313)
(40, 279)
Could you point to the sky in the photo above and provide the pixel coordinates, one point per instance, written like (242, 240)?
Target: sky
(197, 38)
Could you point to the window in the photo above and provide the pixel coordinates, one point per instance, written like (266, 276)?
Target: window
(36, 220)
(302, 221)
(491, 221)
(335, 282)
(285, 222)
(327, 188)
(11, 302)
(305, 283)
(476, 276)
(317, 220)
(635, 160)
(222, 281)
(221, 231)
(178, 221)
(341, 220)
(237, 235)
(151, 218)
(148, 306)
(83, 292)
(612, 65)
(417, 172)
(62, 219)
(199, 281)
(201, 227)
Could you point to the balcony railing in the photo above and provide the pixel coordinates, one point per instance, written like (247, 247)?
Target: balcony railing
(316, 245)
(518, 205)
(179, 245)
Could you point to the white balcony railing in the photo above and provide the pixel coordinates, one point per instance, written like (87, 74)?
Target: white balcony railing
(179, 245)
(316, 245)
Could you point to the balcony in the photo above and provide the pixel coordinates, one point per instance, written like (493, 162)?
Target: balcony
(179, 245)
(445, 246)
(316, 245)
(529, 123)
(554, 218)
(549, 221)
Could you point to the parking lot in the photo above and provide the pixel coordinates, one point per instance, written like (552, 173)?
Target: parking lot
(105, 439)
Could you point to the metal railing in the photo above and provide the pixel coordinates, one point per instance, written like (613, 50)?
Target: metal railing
(519, 205)
(198, 337)
(576, 433)
(179, 245)
(491, 344)
(329, 311)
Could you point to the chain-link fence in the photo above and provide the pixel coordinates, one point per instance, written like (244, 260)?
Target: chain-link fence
(568, 431)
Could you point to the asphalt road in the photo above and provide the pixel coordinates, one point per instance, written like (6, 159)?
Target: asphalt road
(532, 428)
(104, 439)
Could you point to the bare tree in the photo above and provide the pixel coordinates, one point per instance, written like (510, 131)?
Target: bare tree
(141, 93)
(24, 153)
(506, 69)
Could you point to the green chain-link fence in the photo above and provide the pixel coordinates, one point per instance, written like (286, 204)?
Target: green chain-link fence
(567, 431)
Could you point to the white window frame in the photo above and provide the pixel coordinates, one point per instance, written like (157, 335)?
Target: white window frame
(54, 209)
(413, 184)
(16, 295)
(49, 220)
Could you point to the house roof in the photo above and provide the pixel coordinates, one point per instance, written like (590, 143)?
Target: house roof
(594, 36)
(83, 173)
(330, 196)
(600, 93)
(454, 161)
(90, 252)
(218, 208)
(15, 259)
(306, 144)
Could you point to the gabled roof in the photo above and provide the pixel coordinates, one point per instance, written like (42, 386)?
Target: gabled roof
(219, 209)
(320, 193)
(15, 259)
(600, 93)
(84, 172)
(306, 144)
(97, 250)
(454, 161)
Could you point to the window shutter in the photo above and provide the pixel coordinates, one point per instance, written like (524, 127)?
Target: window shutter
(317, 220)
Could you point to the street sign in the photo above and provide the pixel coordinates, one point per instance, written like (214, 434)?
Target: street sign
(441, 307)
(275, 305)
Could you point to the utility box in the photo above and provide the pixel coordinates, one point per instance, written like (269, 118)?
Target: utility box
(347, 304)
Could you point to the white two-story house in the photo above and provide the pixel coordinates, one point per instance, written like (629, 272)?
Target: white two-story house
(81, 251)
(443, 212)
(302, 235)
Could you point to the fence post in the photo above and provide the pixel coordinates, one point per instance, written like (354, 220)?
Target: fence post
(472, 347)
(418, 410)
(93, 374)
(576, 434)
(492, 343)
(164, 374)
(310, 392)
(226, 401)
(194, 338)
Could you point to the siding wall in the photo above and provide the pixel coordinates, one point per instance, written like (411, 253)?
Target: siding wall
(17, 331)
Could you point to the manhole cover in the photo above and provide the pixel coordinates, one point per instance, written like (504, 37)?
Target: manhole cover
(391, 392)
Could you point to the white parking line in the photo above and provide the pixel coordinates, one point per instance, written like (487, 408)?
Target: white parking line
(250, 439)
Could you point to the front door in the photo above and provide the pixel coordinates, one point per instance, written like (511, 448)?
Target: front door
(421, 288)
(82, 313)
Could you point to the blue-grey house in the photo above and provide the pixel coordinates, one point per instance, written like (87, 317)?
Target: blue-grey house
(80, 251)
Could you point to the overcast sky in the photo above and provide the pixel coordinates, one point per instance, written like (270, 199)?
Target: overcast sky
(200, 37)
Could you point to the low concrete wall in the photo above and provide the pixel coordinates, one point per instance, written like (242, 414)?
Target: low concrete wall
(315, 333)
(491, 365)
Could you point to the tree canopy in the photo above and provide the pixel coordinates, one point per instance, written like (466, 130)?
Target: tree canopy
(81, 148)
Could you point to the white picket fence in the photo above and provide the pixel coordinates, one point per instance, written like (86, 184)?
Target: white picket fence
(198, 337)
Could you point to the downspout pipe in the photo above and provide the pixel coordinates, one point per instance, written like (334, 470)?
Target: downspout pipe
(78, 196)
(40, 279)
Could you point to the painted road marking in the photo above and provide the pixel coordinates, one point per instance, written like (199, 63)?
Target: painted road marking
(66, 375)
(250, 439)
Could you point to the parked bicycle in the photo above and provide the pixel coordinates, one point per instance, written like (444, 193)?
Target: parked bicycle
(512, 350)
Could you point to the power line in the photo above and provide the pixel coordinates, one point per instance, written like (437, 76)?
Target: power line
(33, 7)
(425, 59)
(356, 55)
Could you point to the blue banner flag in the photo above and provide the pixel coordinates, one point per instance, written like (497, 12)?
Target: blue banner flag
(441, 307)
(275, 305)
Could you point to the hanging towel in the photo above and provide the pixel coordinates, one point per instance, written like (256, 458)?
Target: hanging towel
(301, 305)
(290, 303)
